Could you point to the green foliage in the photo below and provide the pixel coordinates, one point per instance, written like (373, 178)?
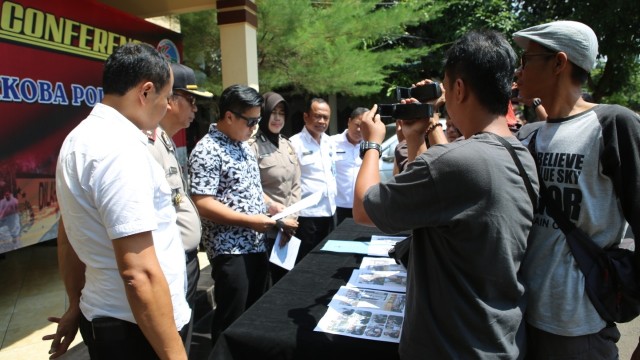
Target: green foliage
(334, 47)
(456, 18)
(201, 48)
(367, 47)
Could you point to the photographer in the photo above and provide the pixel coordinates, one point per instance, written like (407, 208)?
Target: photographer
(464, 295)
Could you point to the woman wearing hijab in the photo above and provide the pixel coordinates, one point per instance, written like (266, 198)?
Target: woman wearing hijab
(279, 169)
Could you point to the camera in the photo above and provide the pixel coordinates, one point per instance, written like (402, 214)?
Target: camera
(389, 112)
(422, 93)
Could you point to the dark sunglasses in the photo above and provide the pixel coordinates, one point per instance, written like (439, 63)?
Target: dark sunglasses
(251, 121)
(524, 58)
(190, 98)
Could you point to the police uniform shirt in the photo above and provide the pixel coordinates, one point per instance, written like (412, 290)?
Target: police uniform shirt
(279, 169)
(163, 150)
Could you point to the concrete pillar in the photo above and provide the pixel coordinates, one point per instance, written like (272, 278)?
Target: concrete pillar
(238, 21)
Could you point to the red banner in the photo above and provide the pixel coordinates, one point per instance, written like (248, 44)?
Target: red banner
(50, 78)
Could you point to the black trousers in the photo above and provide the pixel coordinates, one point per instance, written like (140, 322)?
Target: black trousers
(193, 275)
(110, 338)
(311, 231)
(343, 213)
(240, 280)
(598, 346)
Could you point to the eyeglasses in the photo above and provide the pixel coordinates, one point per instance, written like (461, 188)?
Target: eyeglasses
(524, 58)
(190, 98)
(251, 121)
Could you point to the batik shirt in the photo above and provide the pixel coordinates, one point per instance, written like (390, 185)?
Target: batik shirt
(228, 171)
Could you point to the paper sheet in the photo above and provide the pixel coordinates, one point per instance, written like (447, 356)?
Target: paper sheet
(344, 246)
(300, 205)
(364, 314)
(380, 245)
(285, 256)
(379, 280)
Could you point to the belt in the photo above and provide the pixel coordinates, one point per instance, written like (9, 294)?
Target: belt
(191, 254)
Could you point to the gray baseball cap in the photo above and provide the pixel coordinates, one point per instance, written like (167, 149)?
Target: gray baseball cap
(573, 38)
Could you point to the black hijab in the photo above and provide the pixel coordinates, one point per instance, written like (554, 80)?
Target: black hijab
(271, 99)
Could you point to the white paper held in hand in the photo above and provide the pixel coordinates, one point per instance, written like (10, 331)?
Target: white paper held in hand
(285, 256)
(300, 205)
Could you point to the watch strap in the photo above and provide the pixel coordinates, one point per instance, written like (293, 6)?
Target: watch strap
(368, 145)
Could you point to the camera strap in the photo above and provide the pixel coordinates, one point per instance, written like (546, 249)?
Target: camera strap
(516, 160)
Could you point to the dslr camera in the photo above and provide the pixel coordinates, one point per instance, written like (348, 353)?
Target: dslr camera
(390, 112)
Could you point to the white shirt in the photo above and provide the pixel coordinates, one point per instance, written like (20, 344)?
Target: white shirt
(317, 171)
(347, 166)
(109, 186)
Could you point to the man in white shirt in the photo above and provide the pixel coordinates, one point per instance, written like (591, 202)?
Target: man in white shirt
(316, 156)
(121, 255)
(348, 163)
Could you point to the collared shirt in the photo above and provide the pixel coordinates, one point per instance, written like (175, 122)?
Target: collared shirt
(279, 169)
(163, 149)
(109, 187)
(228, 171)
(317, 168)
(347, 166)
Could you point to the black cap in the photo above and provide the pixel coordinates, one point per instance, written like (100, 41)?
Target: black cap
(185, 79)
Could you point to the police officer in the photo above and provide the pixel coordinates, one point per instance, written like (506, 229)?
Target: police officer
(279, 170)
(180, 113)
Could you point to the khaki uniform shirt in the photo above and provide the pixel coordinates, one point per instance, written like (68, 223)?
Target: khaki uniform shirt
(163, 149)
(279, 169)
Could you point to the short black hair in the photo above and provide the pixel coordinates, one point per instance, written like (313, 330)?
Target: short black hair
(238, 98)
(485, 61)
(578, 74)
(357, 112)
(131, 64)
(314, 100)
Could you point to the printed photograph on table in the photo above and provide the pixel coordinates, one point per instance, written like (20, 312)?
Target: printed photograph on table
(379, 280)
(380, 264)
(364, 324)
(372, 299)
(381, 244)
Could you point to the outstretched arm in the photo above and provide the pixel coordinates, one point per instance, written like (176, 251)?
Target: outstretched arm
(72, 272)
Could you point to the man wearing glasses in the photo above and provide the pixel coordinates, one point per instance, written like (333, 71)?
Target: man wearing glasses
(180, 113)
(587, 156)
(226, 188)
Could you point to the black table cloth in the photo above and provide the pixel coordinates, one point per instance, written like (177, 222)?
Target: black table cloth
(280, 325)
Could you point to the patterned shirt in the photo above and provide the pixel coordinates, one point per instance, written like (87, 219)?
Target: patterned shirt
(228, 171)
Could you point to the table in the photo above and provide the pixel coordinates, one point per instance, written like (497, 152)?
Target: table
(280, 325)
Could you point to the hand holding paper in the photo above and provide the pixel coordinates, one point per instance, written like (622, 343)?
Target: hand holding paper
(300, 205)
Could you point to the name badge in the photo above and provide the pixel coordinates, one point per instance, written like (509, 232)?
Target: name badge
(307, 153)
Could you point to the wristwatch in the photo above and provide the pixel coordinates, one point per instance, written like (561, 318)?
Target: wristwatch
(367, 145)
(536, 102)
